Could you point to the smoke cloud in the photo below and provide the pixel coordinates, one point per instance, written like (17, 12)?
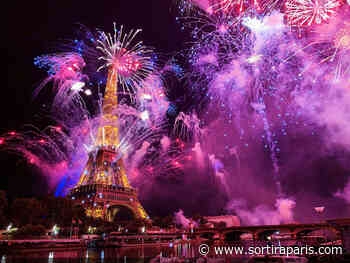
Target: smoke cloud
(263, 215)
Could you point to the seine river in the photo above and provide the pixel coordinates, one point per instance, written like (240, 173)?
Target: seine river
(166, 252)
(149, 254)
(75, 255)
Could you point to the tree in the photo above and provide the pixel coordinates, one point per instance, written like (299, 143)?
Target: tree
(167, 221)
(27, 211)
(156, 221)
(3, 209)
(31, 230)
(61, 211)
(3, 201)
(199, 219)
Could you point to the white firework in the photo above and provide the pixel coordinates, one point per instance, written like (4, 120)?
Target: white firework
(308, 12)
(132, 62)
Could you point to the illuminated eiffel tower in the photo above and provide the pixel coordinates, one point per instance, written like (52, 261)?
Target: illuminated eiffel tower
(103, 189)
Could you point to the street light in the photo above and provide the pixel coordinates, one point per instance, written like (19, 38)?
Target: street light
(319, 209)
(143, 229)
(55, 230)
(9, 227)
(8, 230)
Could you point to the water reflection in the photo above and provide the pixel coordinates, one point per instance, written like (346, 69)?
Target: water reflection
(172, 252)
(51, 256)
(106, 255)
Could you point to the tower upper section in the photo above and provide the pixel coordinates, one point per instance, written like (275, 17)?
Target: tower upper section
(108, 133)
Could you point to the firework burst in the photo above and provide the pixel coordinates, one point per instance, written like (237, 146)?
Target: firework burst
(309, 12)
(132, 62)
(240, 6)
(342, 39)
(341, 52)
(65, 71)
(329, 47)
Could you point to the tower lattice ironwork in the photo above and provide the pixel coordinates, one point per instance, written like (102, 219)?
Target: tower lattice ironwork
(103, 189)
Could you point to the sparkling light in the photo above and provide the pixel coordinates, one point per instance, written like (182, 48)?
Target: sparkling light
(88, 92)
(146, 96)
(309, 12)
(144, 115)
(253, 59)
(255, 24)
(78, 86)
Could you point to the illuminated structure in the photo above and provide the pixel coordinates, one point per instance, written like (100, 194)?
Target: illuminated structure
(103, 189)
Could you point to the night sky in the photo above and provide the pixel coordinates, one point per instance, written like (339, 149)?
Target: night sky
(35, 27)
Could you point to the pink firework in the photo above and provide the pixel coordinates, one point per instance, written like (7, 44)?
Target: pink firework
(309, 12)
(237, 5)
(129, 59)
(228, 5)
(126, 64)
(65, 72)
(342, 38)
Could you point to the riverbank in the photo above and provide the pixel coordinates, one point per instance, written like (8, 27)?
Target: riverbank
(41, 243)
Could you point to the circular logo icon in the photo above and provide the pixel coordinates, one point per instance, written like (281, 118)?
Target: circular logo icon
(203, 249)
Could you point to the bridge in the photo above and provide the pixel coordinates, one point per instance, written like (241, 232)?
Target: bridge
(288, 231)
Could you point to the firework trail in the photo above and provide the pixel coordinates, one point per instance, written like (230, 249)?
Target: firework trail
(228, 5)
(53, 150)
(152, 101)
(65, 71)
(271, 145)
(157, 163)
(187, 126)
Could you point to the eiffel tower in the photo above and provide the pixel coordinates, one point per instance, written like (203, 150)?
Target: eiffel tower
(103, 189)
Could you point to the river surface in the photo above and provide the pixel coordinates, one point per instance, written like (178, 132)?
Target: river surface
(184, 252)
(132, 254)
(86, 255)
